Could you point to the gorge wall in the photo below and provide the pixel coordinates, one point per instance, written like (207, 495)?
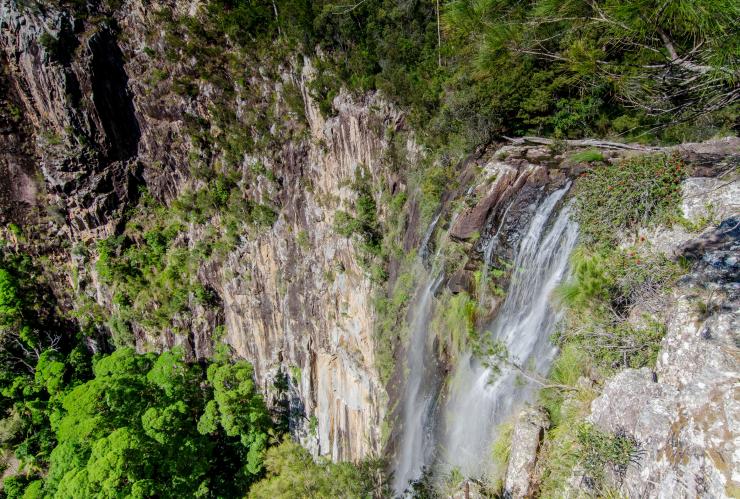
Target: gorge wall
(92, 131)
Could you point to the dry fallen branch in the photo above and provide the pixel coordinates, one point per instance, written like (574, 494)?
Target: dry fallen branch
(583, 143)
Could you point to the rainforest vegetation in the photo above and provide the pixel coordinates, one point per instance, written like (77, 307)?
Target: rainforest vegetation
(473, 71)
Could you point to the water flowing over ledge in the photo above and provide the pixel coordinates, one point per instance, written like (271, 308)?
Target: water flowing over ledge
(477, 402)
(456, 430)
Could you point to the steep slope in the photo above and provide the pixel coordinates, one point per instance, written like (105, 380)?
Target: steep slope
(293, 298)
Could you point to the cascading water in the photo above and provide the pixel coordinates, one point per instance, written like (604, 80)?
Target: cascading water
(476, 403)
(417, 440)
(420, 394)
(424, 247)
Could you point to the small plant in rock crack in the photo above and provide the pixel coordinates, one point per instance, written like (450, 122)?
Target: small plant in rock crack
(602, 451)
(313, 426)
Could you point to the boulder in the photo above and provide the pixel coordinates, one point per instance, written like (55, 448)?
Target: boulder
(684, 415)
(525, 442)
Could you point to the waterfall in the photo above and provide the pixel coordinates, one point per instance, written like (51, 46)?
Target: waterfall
(477, 403)
(420, 394)
(424, 246)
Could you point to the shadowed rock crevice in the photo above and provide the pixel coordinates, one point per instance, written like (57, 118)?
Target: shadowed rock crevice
(112, 98)
(18, 191)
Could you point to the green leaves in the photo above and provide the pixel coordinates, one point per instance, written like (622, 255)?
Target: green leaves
(147, 425)
(607, 281)
(239, 409)
(599, 450)
(613, 199)
(127, 425)
(10, 300)
(292, 472)
(50, 372)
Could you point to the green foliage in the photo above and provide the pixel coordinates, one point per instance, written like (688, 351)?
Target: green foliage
(313, 425)
(600, 451)
(50, 44)
(502, 445)
(365, 226)
(587, 156)
(593, 65)
(10, 301)
(640, 191)
(603, 288)
(454, 323)
(135, 428)
(603, 331)
(125, 424)
(302, 240)
(390, 324)
(364, 223)
(239, 409)
(150, 268)
(292, 472)
(37, 360)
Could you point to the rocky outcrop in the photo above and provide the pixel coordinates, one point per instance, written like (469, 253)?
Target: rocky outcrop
(525, 442)
(296, 299)
(19, 189)
(684, 414)
(80, 108)
(507, 181)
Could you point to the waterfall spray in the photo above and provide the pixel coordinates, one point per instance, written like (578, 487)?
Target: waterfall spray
(420, 394)
(477, 403)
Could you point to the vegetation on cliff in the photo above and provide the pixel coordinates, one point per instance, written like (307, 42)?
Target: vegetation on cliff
(612, 304)
(125, 424)
(477, 70)
(80, 425)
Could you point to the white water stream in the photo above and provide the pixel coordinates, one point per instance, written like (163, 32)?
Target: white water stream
(422, 386)
(475, 405)
(478, 402)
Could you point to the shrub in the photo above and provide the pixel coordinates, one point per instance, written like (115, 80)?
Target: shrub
(600, 451)
(454, 323)
(502, 446)
(603, 288)
(614, 199)
(587, 156)
(345, 224)
(390, 325)
(292, 472)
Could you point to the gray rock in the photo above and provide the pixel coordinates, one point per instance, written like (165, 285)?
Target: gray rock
(686, 421)
(525, 442)
(469, 489)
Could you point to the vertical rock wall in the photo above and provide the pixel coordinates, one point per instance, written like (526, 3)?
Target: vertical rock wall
(296, 301)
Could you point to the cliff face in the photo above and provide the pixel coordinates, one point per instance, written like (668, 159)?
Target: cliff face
(73, 90)
(684, 413)
(297, 298)
(294, 299)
